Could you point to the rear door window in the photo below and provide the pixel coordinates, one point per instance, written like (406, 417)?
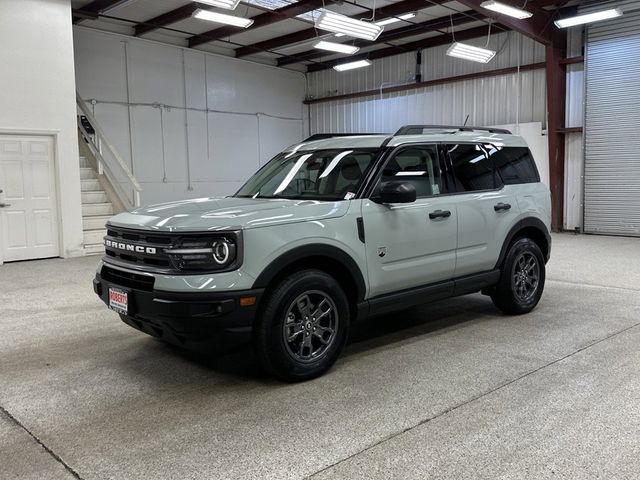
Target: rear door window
(515, 164)
(473, 169)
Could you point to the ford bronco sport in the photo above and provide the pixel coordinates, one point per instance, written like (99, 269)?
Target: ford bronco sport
(331, 231)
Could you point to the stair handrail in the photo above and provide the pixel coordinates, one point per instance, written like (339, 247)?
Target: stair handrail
(105, 166)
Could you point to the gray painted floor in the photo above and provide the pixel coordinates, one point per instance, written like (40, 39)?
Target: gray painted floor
(452, 390)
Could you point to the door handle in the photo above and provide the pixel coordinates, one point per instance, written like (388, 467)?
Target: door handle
(2, 205)
(439, 214)
(501, 206)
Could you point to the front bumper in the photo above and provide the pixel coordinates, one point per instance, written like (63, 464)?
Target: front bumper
(197, 321)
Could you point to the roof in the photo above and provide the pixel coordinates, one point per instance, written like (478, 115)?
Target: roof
(283, 31)
(376, 141)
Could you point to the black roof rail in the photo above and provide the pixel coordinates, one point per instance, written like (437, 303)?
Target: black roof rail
(322, 136)
(419, 129)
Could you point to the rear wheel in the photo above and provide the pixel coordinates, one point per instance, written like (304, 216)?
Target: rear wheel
(303, 326)
(522, 278)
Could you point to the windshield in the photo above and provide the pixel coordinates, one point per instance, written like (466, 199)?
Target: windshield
(320, 175)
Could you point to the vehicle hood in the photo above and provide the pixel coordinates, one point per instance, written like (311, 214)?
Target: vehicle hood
(229, 213)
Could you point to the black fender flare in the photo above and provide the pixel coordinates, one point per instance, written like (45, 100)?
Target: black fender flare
(313, 250)
(528, 222)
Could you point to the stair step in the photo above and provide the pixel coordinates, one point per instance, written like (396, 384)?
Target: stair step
(97, 209)
(94, 249)
(84, 162)
(90, 185)
(87, 174)
(94, 222)
(94, 197)
(92, 237)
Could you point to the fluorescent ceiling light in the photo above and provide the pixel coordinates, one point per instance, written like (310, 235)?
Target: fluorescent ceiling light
(406, 16)
(222, 18)
(336, 23)
(228, 4)
(336, 47)
(506, 9)
(469, 52)
(588, 18)
(351, 65)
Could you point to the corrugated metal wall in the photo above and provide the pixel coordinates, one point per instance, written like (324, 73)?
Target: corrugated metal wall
(612, 141)
(511, 98)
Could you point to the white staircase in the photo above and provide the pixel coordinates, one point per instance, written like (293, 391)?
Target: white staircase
(96, 209)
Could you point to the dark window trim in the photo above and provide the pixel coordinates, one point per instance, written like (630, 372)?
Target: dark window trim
(373, 182)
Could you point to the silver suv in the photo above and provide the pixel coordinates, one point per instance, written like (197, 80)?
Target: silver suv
(329, 232)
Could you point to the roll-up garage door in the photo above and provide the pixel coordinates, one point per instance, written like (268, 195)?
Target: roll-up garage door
(612, 133)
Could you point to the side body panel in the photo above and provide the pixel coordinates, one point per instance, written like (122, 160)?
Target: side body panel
(534, 200)
(481, 229)
(405, 248)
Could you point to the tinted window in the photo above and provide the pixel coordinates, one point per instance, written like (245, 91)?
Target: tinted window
(515, 164)
(472, 168)
(419, 166)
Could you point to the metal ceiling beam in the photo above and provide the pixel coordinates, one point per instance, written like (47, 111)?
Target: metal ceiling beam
(267, 18)
(173, 16)
(539, 27)
(410, 30)
(92, 9)
(406, 47)
(392, 10)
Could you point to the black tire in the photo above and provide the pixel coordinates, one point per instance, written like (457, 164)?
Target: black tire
(523, 267)
(282, 327)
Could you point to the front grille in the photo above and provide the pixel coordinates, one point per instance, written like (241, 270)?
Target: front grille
(139, 247)
(127, 279)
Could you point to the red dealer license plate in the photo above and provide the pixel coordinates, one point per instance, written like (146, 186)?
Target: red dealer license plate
(119, 300)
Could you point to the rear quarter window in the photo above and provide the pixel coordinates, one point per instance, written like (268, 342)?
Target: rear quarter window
(515, 165)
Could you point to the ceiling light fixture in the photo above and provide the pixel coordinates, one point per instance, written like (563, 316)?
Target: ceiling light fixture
(588, 18)
(336, 47)
(351, 65)
(399, 18)
(336, 23)
(469, 52)
(222, 18)
(228, 4)
(506, 9)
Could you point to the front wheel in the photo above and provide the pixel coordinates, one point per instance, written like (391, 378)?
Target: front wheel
(522, 278)
(303, 326)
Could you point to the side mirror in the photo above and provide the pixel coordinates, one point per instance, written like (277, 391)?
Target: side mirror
(397, 192)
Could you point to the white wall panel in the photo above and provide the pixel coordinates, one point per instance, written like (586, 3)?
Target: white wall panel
(253, 112)
(574, 181)
(273, 131)
(227, 149)
(38, 95)
(506, 99)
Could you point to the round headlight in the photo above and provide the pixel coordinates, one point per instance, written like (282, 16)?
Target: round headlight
(221, 252)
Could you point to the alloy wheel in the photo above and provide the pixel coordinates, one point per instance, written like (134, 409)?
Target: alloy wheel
(525, 276)
(310, 326)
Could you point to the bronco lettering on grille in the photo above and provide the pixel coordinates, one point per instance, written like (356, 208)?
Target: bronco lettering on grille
(130, 248)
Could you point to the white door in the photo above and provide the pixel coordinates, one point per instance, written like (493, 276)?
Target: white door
(28, 205)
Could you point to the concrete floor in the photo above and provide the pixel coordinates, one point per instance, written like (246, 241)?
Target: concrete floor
(451, 390)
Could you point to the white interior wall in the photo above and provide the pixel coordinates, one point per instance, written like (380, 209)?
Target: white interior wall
(38, 95)
(538, 143)
(505, 99)
(190, 124)
(573, 145)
